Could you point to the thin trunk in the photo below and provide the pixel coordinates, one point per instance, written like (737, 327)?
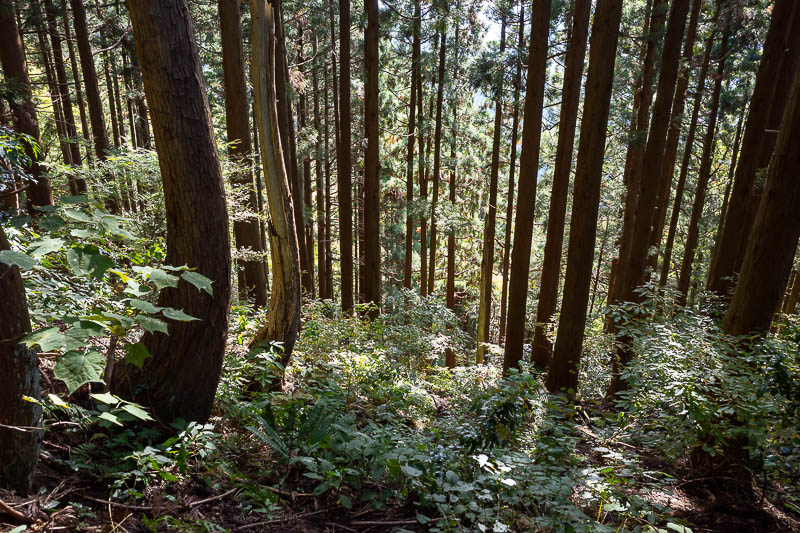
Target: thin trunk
(302, 111)
(551, 265)
(77, 80)
(450, 356)
(55, 95)
(485, 285)
(321, 273)
(344, 162)
(563, 373)
(328, 200)
(424, 151)
(117, 98)
(437, 159)
(599, 265)
(415, 74)
(372, 246)
(180, 378)
(112, 112)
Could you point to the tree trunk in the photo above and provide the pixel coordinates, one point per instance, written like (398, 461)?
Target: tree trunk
(528, 175)
(321, 261)
(372, 245)
(180, 379)
(450, 296)
(702, 180)
(112, 112)
(687, 155)
(415, 73)
(87, 134)
(551, 265)
(308, 228)
(563, 373)
(328, 201)
(487, 259)
(511, 171)
(252, 275)
(23, 109)
(773, 240)
(19, 371)
(344, 163)
(437, 160)
(773, 80)
(424, 151)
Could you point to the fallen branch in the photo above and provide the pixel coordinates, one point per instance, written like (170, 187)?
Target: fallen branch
(280, 520)
(13, 513)
(289, 494)
(212, 498)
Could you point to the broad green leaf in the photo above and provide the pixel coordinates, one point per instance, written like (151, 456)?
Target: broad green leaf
(134, 288)
(177, 314)
(80, 199)
(411, 471)
(34, 338)
(75, 368)
(162, 279)
(110, 418)
(152, 325)
(19, 221)
(45, 246)
(106, 398)
(135, 354)
(12, 257)
(78, 215)
(112, 224)
(83, 329)
(174, 268)
(86, 233)
(147, 307)
(124, 321)
(51, 222)
(198, 280)
(136, 411)
(61, 342)
(87, 260)
(57, 401)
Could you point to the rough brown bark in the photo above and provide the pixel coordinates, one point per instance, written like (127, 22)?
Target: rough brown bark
(372, 245)
(528, 175)
(487, 257)
(511, 176)
(180, 378)
(19, 377)
(87, 134)
(415, 73)
(773, 240)
(112, 112)
(322, 276)
(283, 320)
(437, 160)
(23, 110)
(703, 176)
(563, 373)
(450, 291)
(344, 163)
(551, 265)
(773, 80)
(308, 228)
(252, 275)
(328, 201)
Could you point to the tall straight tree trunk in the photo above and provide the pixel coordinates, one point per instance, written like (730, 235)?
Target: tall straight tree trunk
(485, 285)
(666, 261)
(773, 240)
(415, 73)
(23, 110)
(252, 275)
(112, 112)
(77, 80)
(450, 291)
(328, 200)
(96, 115)
(773, 80)
(644, 218)
(424, 151)
(283, 319)
(320, 193)
(180, 378)
(118, 99)
(551, 265)
(702, 180)
(528, 174)
(372, 245)
(19, 372)
(674, 131)
(344, 163)
(511, 171)
(563, 372)
(308, 239)
(437, 159)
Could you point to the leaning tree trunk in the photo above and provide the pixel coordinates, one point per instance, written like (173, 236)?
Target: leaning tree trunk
(252, 274)
(563, 373)
(180, 378)
(19, 377)
(551, 265)
(283, 319)
(23, 110)
(773, 240)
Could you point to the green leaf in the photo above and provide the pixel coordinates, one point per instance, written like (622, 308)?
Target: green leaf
(51, 223)
(83, 329)
(198, 280)
(58, 341)
(12, 257)
(78, 215)
(110, 418)
(106, 398)
(75, 368)
(152, 324)
(34, 338)
(345, 501)
(80, 199)
(177, 314)
(124, 321)
(137, 411)
(411, 471)
(147, 307)
(112, 224)
(90, 233)
(135, 354)
(19, 221)
(162, 279)
(57, 401)
(45, 246)
(87, 260)
(134, 288)
(679, 528)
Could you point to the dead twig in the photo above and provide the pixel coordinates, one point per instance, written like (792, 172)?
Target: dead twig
(280, 520)
(212, 498)
(13, 513)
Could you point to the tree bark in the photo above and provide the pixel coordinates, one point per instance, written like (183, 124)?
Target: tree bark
(437, 159)
(308, 228)
(372, 245)
(415, 73)
(344, 163)
(180, 378)
(551, 265)
(322, 276)
(450, 291)
(773, 240)
(19, 376)
(87, 134)
(23, 110)
(252, 275)
(487, 259)
(563, 373)
(773, 81)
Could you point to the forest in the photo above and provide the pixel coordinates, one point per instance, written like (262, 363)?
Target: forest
(400, 266)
